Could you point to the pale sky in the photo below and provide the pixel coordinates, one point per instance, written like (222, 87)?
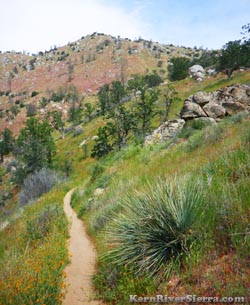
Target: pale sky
(38, 25)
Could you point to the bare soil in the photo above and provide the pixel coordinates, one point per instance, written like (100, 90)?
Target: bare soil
(83, 257)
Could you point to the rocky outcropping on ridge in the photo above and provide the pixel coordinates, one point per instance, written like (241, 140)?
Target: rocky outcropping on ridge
(208, 107)
(218, 104)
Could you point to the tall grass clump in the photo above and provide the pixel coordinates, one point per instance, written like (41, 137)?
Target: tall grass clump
(157, 227)
(208, 135)
(37, 184)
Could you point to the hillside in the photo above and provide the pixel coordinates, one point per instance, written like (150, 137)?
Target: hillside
(166, 218)
(87, 64)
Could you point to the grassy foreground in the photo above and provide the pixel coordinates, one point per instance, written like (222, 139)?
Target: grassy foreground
(33, 254)
(167, 214)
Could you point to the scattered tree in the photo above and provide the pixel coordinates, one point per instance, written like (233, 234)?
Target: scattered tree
(56, 120)
(102, 144)
(6, 143)
(31, 110)
(88, 110)
(178, 68)
(35, 147)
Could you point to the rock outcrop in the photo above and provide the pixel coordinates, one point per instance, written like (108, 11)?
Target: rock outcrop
(218, 104)
(197, 72)
(164, 132)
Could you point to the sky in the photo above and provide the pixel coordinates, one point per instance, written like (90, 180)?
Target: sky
(38, 25)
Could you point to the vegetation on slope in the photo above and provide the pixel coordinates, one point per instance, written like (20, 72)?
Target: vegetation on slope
(33, 254)
(129, 221)
(190, 197)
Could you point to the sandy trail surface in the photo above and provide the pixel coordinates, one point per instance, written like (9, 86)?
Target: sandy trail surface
(83, 257)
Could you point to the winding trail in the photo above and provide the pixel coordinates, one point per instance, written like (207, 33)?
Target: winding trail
(82, 267)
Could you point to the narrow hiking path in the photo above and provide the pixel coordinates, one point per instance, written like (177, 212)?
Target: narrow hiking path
(83, 257)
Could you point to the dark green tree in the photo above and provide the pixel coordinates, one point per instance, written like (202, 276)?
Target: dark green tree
(230, 59)
(236, 54)
(103, 142)
(75, 114)
(153, 80)
(88, 110)
(117, 93)
(56, 121)
(123, 122)
(6, 143)
(104, 99)
(35, 147)
(178, 68)
(144, 106)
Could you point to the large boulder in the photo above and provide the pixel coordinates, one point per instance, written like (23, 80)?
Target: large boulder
(197, 72)
(202, 98)
(191, 110)
(164, 132)
(214, 110)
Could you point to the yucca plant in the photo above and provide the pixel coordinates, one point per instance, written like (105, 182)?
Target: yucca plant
(156, 227)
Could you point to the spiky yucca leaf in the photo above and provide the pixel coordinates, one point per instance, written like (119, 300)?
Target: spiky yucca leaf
(156, 227)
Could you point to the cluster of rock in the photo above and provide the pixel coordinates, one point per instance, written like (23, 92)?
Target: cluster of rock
(208, 107)
(164, 132)
(218, 104)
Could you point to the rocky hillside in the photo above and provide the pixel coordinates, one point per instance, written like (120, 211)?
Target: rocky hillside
(86, 64)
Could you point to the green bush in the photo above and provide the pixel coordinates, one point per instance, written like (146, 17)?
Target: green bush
(95, 170)
(157, 227)
(178, 68)
(40, 225)
(208, 135)
(34, 93)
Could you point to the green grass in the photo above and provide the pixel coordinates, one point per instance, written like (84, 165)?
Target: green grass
(123, 218)
(34, 254)
(33, 248)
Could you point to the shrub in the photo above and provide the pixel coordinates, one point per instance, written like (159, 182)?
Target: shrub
(10, 165)
(208, 135)
(77, 131)
(95, 171)
(34, 93)
(178, 69)
(37, 184)
(40, 225)
(31, 110)
(156, 227)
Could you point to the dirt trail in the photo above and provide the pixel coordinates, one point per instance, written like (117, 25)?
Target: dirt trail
(81, 269)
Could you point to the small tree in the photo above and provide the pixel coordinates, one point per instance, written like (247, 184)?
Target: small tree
(15, 110)
(31, 110)
(153, 80)
(104, 99)
(235, 54)
(88, 110)
(75, 114)
(6, 143)
(102, 144)
(169, 95)
(56, 121)
(178, 68)
(35, 147)
(123, 123)
(144, 106)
